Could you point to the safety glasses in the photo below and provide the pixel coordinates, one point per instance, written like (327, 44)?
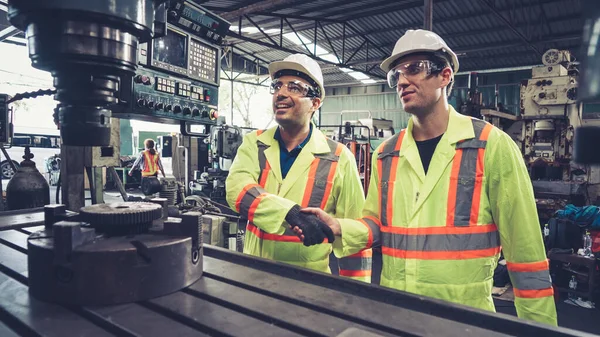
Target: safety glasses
(295, 88)
(413, 70)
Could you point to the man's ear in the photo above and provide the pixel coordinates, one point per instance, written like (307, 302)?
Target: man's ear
(446, 74)
(316, 103)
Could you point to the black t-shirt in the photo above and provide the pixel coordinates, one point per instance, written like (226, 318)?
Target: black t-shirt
(426, 150)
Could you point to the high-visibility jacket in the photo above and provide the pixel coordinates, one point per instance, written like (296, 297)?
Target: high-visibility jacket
(150, 164)
(441, 232)
(324, 175)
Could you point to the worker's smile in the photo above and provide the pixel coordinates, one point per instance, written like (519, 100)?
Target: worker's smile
(282, 107)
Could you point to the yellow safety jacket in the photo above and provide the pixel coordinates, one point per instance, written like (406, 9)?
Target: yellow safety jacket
(441, 232)
(324, 175)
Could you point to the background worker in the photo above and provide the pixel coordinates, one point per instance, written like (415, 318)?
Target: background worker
(445, 194)
(293, 165)
(148, 161)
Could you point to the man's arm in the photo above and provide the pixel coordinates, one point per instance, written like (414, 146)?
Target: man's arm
(514, 211)
(160, 165)
(245, 196)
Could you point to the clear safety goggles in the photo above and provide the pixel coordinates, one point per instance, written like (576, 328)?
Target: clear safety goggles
(295, 88)
(413, 70)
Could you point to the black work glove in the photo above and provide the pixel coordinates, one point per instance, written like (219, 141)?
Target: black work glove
(313, 229)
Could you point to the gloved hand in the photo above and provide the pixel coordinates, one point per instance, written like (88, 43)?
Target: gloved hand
(313, 229)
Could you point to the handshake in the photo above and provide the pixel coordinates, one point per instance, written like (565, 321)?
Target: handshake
(309, 227)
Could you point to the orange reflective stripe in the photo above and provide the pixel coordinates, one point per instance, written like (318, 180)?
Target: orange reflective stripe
(312, 173)
(538, 293)
(355, 273)
(527, 267)
(272, 237)
(264, 174)
(254, 206)
(259, 132)
(440, 230)
(440, 255)
(452, 189)
(363, 253)
(238, 201)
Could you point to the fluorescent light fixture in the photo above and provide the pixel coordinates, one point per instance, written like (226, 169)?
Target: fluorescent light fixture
(346, 70)
(234, 28)
(358, 75)
(330, 58)
(369, 81)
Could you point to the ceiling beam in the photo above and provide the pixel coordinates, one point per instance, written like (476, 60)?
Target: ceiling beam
(253, 8)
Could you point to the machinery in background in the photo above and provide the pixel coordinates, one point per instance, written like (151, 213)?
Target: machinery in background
(473, 104)
(361, 136)
(545, 130)
(27, 188)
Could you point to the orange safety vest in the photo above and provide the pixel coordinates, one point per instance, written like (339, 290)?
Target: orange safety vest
(316, 194)
(150, 164)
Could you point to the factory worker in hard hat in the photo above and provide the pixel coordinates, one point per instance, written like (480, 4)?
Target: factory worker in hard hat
(446, 194)
(278, 171)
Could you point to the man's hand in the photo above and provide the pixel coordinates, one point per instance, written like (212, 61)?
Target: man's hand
(313, 230)
(326, 218)
(130, 173)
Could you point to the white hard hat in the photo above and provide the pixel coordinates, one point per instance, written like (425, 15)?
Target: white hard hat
(419, 41)
(302, 64)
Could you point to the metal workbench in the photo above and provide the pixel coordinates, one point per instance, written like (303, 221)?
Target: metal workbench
(239, 295)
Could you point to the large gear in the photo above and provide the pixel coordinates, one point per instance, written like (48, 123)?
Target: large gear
(121, 216)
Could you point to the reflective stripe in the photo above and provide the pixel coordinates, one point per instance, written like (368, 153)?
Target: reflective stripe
(466, 178)
(288, 236)
(321, 175)
(534, 293)
(387, 164)
(356, 265)
(441, 242)
(264, 165)
(247, 199)
(440, 255)
(373, 226)
(532, 279)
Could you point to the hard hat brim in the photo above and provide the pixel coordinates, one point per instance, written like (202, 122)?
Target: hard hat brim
(274, 67)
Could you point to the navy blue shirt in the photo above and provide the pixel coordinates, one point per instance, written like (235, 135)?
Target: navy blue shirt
(287, 158)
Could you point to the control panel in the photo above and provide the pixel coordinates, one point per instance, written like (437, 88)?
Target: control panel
(156, 94)
(178, 77)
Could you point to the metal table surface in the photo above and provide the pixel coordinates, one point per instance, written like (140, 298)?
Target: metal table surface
(239, 295)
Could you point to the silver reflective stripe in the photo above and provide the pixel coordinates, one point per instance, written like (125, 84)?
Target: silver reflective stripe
(249, 198)
(441, 242)
(375, 231)
(466, 175)
(530, 280)
(322, 174)
(355, 263)
(262, 159)
(386, 156)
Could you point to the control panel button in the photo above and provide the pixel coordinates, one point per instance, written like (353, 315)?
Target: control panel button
(168, 107)
(150, 104)
(195, 112)
(159, 106)
(187, 111)
(204, 113)
(141, 102)
(214, 114)
(206, 95)
(177, 109)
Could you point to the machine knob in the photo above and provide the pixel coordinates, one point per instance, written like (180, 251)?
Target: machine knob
(187, 111)
(195, 112)
(150, 104)
(214, 114)
(173, 14)
(168, 107)
(142, 79)
(159, 106)
(141, 102)
(204, 113)
(177, 109)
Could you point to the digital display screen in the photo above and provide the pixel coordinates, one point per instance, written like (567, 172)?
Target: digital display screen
(171, 49)
(203, 61)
